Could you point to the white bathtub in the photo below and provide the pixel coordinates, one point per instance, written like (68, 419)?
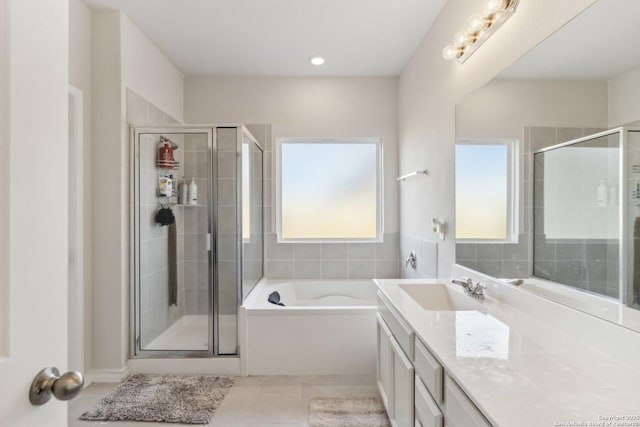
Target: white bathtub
(327, 327)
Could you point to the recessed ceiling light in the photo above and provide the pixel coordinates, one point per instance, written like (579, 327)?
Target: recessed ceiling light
(316, 60)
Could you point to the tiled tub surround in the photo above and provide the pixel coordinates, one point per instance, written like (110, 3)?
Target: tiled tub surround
(426, 255)
(513, 260)
(318, 260)
(521, 369)
(332, 260)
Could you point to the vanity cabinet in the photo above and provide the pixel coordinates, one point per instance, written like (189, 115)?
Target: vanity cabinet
(384, 367)
(394, 377)
(415, 388)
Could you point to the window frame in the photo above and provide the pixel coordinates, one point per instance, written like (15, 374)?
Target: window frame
(513, 187)
(280, 141)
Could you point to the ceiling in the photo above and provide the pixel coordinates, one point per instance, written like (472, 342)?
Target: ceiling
(277, 37)
(600, 43)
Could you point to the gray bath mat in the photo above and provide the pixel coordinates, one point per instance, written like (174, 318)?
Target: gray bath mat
(347, 412)
(186, 399)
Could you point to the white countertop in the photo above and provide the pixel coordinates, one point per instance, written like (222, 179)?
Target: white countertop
(519, 370)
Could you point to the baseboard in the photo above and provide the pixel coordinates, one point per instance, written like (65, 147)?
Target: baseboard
(205, 366)
(107, 375)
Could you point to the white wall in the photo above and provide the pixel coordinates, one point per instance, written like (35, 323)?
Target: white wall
(4, 177)
(108, 307)
(624, 98)
(310, 107)
(80, 78)
(429, 89)
(299, 106)
(502, 108)
(123, 58)
(149, 73)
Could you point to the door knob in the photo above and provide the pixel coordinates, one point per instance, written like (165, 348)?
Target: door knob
(49, 382)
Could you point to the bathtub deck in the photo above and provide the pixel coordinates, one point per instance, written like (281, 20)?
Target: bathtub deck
(252, 402)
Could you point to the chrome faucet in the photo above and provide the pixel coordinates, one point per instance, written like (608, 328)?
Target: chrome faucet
(475, 290)
(411, 261)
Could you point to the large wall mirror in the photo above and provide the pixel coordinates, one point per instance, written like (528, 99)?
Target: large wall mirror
(548, 167)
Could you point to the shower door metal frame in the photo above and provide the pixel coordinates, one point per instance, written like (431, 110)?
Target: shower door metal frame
(135, 349)
(241, 132)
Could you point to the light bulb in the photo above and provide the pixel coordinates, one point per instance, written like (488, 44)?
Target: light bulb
(461, 39)
(316, 60)
(494, 6)
(477, 23)
(449, 52)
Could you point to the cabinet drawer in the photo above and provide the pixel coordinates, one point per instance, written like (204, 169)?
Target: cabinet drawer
(400, 330)
(427, 412)
(429, 370)
(459, 409)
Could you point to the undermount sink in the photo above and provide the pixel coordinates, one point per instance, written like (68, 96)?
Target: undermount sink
(441, 297)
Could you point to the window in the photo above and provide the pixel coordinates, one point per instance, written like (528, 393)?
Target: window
(486, 174)
(329, 189)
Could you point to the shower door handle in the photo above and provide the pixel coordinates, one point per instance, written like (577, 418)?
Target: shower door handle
(209, 242)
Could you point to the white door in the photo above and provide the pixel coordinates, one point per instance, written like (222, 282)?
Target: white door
(33, 205)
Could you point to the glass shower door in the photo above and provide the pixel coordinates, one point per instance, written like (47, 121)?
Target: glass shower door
(171, 195)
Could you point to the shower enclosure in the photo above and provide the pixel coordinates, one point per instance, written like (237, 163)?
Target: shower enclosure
(195, 254)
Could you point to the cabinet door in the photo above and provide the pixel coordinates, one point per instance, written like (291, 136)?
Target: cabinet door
(459, 410)
(402, 388)
(384, 366)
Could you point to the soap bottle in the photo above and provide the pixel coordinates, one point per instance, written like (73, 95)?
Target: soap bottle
(184, 193)
(601, 194)
(193, 192)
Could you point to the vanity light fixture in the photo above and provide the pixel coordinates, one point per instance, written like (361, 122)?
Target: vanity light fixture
(479, 28)
(316, 60)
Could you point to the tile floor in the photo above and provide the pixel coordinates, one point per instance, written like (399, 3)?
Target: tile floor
(264, 401)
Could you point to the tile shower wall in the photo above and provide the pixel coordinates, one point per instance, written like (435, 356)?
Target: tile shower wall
(318, 260)
(633, 221)
(155, 313)
(253, 246)
(585, 263)
(515, 260)
(195, 261)
(227, 148)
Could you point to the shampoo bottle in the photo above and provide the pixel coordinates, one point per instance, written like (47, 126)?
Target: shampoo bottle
(184, 193)
(193, 192)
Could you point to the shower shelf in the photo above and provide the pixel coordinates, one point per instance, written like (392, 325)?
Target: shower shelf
(169, 165)
(170, 203)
